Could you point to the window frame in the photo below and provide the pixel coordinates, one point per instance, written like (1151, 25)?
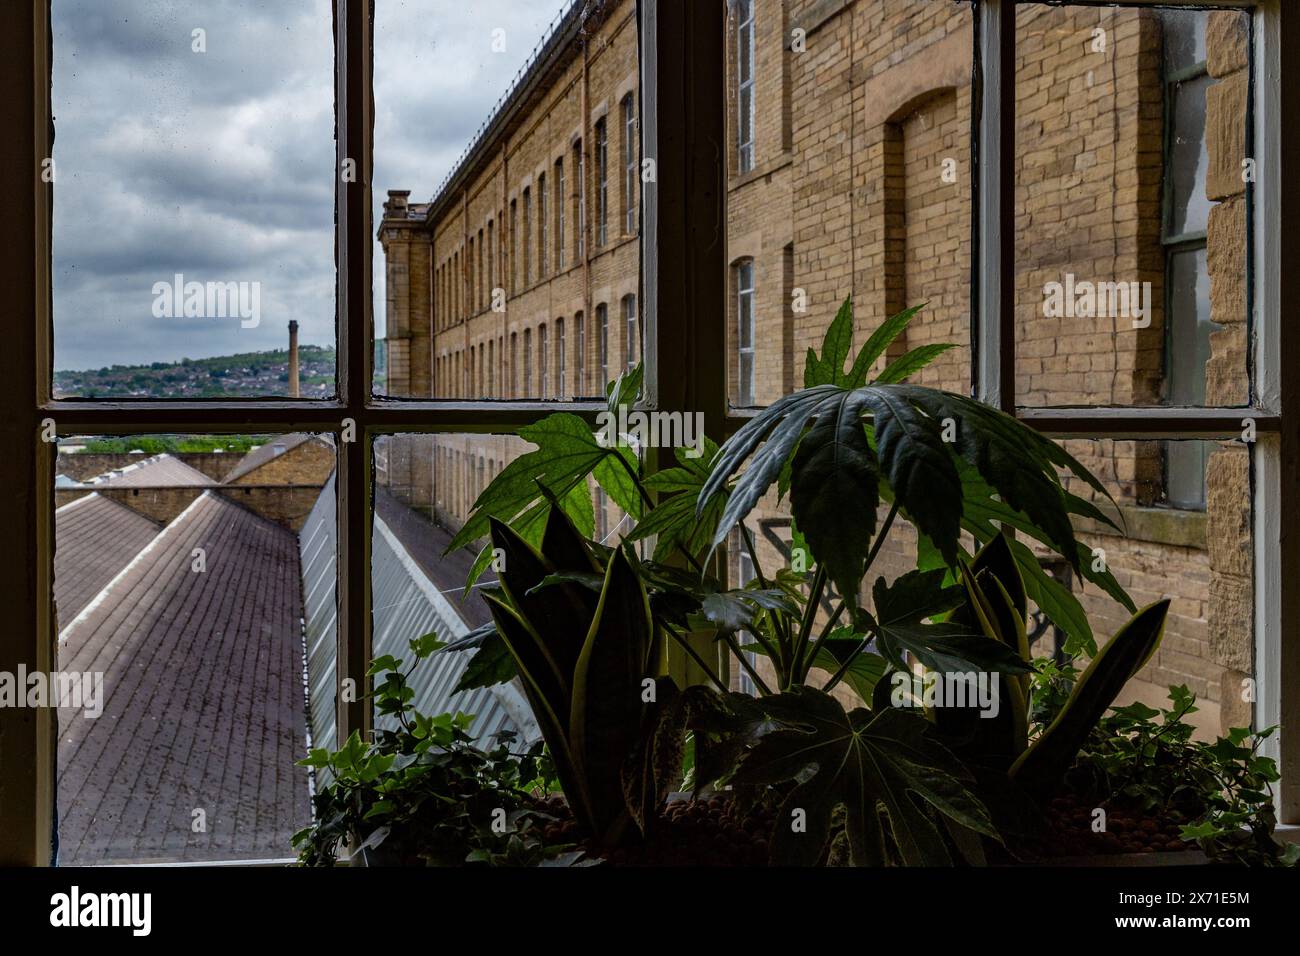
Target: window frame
(601, 131)
(744, 293)
(746, 115)
(1275, 405)
(684, 290)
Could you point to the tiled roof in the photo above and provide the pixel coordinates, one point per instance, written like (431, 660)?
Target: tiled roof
(156, 472)
(95, 538)
(260, 455)
(203, 699)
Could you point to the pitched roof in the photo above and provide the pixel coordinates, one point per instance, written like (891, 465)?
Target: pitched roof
(94, 538)
(426, 542)
(159, 471)
(260, 455)
(203, 704)
(406, 604)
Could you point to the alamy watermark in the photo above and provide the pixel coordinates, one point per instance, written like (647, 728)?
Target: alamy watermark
(1098, 300)
(76, 690)
(978, 689)
(208, 300)
(652, 430)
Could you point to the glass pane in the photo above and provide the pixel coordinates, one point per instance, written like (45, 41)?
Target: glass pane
(861, 186)
(1132, 191)
(194, 592)
(1185, 42)
(193, 185)
(426, 487)
(1189, 158)
(519, 169)
(1184, 508)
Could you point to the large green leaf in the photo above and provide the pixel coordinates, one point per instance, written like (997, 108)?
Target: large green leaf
(777, 429)
(835, 498)
(886, 766)
(877, 344)
(828, 368)
(674, 519)
(901, 612)
(905, 366)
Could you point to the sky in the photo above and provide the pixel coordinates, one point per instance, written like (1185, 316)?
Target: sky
(218, 163)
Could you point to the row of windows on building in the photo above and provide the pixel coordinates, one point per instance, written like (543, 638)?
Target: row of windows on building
(555, 360)
(462, 475)
(538, 241)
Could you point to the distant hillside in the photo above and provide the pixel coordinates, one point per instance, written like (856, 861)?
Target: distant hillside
(248, 375)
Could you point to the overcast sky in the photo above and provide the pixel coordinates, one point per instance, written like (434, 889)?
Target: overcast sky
(219, 165)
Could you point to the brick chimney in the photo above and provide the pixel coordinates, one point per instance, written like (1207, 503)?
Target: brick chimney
(398, 203)
(293, 358)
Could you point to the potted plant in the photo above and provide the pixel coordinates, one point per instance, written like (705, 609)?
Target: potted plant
(884, 780)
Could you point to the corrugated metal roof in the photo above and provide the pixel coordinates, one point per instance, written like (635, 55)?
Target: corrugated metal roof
(405, 606)
(160, 471)
(318, 547)
(203, 700)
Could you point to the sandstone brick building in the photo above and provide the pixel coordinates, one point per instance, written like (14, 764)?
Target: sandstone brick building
(849, 172)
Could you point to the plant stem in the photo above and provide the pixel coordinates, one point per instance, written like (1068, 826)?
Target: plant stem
(881, 535)
(876, 545)
(797, 671)
(821, 638)
(753, 674)
(686, 646)
(636, 479)
(779, 621)
(844, 668)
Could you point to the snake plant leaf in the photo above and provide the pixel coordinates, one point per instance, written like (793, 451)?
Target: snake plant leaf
(607, 709)
(835, 497)
(544, 607)
(887, 764)
(1041, 768)
(548, 697)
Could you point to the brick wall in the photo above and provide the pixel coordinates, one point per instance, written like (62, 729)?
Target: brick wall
(308, 463)
(861, 185)
(81, 466)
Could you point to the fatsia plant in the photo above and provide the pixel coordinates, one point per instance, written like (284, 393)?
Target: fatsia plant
(899, 788)
(849, 443)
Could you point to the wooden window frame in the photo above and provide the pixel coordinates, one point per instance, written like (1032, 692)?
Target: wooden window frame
(684, 286)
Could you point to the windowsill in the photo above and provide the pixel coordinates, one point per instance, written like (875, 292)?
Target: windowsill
(739, 181)
(1171, 526)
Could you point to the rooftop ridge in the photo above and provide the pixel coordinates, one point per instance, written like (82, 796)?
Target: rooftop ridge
(154, 543)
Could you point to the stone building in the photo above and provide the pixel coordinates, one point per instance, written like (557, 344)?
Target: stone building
(848, 168)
